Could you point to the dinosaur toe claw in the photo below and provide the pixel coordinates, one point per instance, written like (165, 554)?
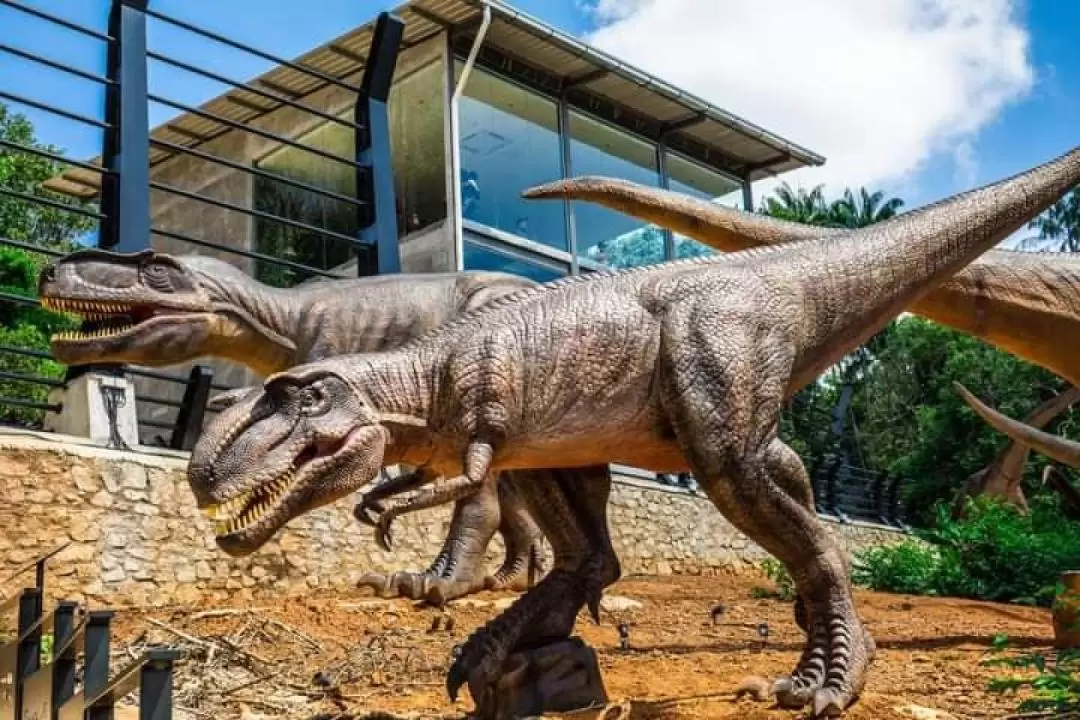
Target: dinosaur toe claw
(455, 678)
(828, 703)
(791, 694)
(594, 607)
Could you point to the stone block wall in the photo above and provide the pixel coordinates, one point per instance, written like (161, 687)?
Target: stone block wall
(137, 538)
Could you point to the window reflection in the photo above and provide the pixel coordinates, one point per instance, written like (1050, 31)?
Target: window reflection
(306, 247)
(605, 235)
(480, 257)
(509, 142)
(691, 178)
(415, 110)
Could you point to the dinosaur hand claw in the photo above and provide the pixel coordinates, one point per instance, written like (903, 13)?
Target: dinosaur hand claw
(368, 512)
(454, 680)
(383, 537)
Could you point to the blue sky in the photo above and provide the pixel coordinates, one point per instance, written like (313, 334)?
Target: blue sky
(1044, 122)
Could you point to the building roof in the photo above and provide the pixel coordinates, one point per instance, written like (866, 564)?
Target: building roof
(519, 43)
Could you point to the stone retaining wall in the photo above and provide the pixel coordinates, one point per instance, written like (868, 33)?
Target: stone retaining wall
(137, 538)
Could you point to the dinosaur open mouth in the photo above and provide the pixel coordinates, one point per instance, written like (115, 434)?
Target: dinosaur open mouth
(247, 509)
(100, 319)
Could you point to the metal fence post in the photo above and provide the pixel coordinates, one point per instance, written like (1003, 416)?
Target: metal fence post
(125, 194)
(96, 647)
(189, 419)
(63, 685)
(375, 174)
(156, 685)
(29, 650)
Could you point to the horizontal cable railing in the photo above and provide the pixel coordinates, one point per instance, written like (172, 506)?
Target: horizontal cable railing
(126, 219)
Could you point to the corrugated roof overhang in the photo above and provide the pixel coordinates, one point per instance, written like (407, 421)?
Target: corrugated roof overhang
(525, 48)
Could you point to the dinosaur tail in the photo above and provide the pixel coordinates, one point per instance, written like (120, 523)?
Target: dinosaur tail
(721, 228)
(1054, 447)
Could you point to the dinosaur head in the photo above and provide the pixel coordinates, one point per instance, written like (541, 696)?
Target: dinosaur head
(307, 439)
(146, 308)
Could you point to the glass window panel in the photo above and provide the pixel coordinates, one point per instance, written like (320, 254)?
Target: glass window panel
(415, 112)
(481, 257)
(305, 246)
(605, 235)
(691, 178)
(417, 115)
(509, 142)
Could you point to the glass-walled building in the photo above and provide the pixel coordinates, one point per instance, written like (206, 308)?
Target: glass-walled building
(538, 105)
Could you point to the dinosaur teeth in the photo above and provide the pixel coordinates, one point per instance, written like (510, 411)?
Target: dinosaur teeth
(247, 508)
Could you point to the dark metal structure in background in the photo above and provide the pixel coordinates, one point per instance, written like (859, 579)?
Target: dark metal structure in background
(37, 684)
(129, 152)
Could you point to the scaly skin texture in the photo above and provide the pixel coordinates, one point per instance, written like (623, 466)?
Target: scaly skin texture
(674, 367)
(156, 309)
(1027, 304)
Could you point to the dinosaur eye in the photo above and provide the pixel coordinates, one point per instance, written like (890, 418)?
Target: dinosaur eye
(157, 277)
(312, 400)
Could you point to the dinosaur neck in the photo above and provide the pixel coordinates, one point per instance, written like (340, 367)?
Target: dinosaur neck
(402, 394)
(852, 287)
(286, 327)
(258, 328)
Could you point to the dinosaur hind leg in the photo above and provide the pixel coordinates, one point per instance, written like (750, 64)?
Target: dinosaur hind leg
(724, 406)
(521, 535)
(457, 569)
(570, 507)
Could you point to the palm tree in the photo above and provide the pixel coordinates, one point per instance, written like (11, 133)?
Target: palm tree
(867, 208)
(1059, 226)
(802, 206)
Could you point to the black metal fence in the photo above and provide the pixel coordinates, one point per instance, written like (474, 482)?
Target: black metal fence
(119, 186)
(56, 664)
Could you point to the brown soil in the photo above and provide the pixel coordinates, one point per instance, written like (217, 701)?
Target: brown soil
(382, 655)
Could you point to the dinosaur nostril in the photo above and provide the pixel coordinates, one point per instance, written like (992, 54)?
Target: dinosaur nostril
(48, 273)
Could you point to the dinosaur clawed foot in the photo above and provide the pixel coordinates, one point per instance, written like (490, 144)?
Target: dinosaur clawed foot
(543, 615)
(515, 572)
(832, 671)
(426, 586)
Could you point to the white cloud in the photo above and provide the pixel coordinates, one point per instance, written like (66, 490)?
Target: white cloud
(876, 86)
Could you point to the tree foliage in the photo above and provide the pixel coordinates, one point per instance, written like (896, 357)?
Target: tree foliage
(1059, 226)
(24, 325)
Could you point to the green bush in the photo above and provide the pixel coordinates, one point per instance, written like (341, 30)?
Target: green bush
(993, 553)
(24, 335)
(785, 585)
(1055, 688)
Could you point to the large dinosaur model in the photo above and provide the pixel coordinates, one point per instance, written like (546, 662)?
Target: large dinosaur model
(678, 366)
(156, 309)
(1025, 303)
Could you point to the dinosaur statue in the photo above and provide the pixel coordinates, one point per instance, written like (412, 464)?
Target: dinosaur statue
(155, 309)
(683, 365)
(1057, 448)
(1022, 302)
(1003, 476)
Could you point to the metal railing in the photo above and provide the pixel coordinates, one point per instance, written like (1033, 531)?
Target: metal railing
(124, 183)
(42, 680)
(847, 492)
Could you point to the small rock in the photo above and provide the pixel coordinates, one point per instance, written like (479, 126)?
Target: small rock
(918, 712)
(618, 603)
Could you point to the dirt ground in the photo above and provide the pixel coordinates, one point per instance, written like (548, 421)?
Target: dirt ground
(349, 655)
